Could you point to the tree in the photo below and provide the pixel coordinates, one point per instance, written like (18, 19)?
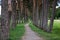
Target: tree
(34, 5)
(14, 14)
(4, 21)
(37, 13)
(45, 14)
(19, 11)
(52, 15)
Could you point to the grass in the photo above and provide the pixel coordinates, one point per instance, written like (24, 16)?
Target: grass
(17, 33)
(55, 35)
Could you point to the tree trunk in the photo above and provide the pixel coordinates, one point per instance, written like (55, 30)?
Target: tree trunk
(26, 17)
(13, 14)
(5, 24)
(45, 15)
(34, 5)
(41, 18)
(19, 11)
(37, 14)
(52, 15)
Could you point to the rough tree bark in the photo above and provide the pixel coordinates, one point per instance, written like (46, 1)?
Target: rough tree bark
(45, 15)
(13, 14)
(37, 13)
(26, 9)
(40, 13)
(4, 21)
(52, 15)
(19, 11)
(34, 6)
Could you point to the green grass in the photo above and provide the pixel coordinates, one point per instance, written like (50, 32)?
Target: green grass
(17, 33)
(55, 35)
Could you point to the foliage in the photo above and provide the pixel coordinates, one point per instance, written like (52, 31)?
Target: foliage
(57, 13)
(17, 33)
(55, 35)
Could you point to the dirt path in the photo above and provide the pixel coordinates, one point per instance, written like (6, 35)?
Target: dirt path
(30, 35)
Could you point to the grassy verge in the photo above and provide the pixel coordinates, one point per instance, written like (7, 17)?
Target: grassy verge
(55, 35)
(17, 33)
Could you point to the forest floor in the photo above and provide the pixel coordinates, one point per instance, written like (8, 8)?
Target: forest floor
(30, 35)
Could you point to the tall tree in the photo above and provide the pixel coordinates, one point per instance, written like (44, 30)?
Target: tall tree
(40, 13)
(4, 20)
(19, 10)
(34, 6)
(37, 13)
(13, 14)
(9, 10)
(45, 14)
(52, 15)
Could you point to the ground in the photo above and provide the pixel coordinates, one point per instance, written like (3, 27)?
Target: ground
(30, 35)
